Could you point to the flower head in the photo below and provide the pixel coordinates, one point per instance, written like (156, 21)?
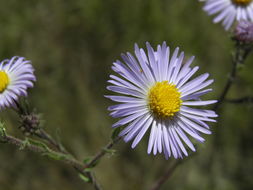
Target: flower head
(244, 31)
(157, 93)
(229, 10)
(16, 75)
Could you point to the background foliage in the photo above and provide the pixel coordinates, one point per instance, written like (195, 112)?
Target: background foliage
(72, 45)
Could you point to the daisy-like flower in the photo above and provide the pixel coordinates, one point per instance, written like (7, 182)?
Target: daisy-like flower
(157, 94)
(16, 75)
(229, 10)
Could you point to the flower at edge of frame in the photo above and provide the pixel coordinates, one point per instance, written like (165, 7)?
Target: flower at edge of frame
(16, 76)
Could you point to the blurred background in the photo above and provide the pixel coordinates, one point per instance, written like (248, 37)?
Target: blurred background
(72, 45)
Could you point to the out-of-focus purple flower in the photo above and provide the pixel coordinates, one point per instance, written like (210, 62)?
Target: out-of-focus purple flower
(229, 11)
(244, 31)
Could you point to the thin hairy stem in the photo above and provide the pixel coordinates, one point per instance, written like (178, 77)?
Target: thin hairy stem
(103, 151)
(34, 148)
(30, 124)
(167, 174)
(246, 99)
(45, 136)
(66, 158)
(239, 58)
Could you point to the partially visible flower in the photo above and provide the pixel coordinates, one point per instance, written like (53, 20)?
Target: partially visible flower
(158, 93)
(229, 10)
(16, 75)
(244, 32)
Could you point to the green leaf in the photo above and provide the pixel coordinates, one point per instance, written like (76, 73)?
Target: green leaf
(87, 160)
(110, 151)
(84, 178)
(87, 169)
(38, 143)
(48, 152)
(115, 132)
(25, 143)
(55, 156)
(240, 66)
(2, 131)
(95, 163)
(1, 124)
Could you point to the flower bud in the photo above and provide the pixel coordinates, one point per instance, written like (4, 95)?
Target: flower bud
(244, 32)
(29, 123)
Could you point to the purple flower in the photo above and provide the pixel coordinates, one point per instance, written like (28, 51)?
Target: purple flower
(158, 94)
(16, 75)
(244, 31)
(229, 10)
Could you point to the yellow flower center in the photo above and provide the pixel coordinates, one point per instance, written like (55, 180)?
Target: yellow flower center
(4, 81)
(164, 99)
(241, 2)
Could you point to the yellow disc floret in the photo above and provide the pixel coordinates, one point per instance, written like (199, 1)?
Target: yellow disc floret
(4, 81)
(164, 99)
(241, 2)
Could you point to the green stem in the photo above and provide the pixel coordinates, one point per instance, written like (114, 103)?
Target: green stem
(103, 151)
(23, 109)
(246, 99)
(67, 159)
(239, 57)
(165, 176)
(45, 136)
(44, 151)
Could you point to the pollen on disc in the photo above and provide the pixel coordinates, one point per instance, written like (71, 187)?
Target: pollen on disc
(164, 99)
(4, 81)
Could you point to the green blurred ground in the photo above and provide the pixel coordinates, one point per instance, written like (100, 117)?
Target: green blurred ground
(72, 45)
